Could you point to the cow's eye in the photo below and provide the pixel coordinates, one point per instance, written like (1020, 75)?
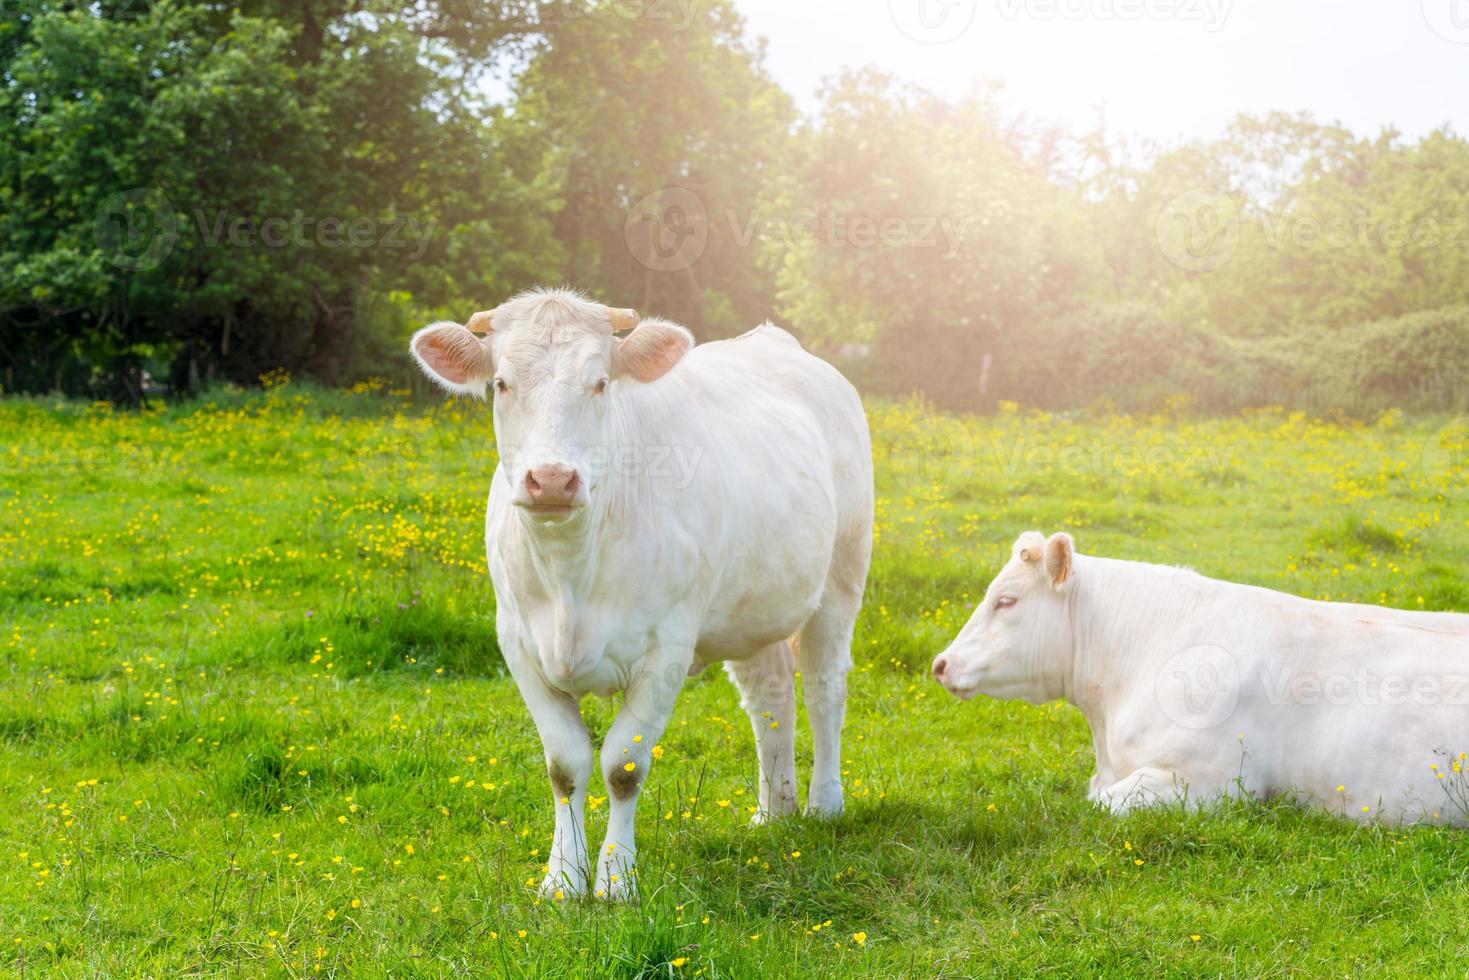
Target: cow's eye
(1005, 602)
(601, 387)
(501, 386)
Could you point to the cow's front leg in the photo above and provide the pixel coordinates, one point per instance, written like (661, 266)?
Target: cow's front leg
(626, 756)
(568, 748)
(1144, 787)
(1105, 775)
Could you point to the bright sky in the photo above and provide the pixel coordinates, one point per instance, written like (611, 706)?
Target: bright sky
(1164, 70)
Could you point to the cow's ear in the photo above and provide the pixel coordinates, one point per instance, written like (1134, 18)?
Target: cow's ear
(650, 351)
(454, 358)
(1059, 555)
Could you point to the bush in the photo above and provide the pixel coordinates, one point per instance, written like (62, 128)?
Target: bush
(1134, 360)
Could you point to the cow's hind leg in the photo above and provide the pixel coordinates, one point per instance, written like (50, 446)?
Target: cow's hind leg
(767, 685)
(825, 657)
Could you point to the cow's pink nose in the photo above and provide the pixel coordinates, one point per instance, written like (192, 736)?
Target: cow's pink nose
(552, 486)
(939, 666)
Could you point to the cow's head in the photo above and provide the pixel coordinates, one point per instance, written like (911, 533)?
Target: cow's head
(555, 366)
(1021, 631)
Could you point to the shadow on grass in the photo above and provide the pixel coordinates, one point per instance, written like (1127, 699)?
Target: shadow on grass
(380, 634)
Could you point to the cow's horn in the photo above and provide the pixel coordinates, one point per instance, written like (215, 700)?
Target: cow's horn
(480, 322)
(622, 319)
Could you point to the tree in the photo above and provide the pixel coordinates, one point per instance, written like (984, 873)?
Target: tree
(241, 190)
(660, 133)
(929, 232)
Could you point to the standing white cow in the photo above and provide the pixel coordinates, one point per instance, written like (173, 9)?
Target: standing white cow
(1196, 688)
(658, 507)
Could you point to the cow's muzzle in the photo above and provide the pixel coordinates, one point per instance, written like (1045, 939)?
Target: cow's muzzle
(550, 490)
(945, 676)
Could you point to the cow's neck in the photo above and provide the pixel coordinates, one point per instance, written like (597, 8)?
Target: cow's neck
(1120, 610)
(564, 559)
(574, 561)
(1053, 673)
(1083, 672)
(564, 555)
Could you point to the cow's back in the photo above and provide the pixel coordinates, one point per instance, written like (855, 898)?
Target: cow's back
(1350, 705)
(785, 473)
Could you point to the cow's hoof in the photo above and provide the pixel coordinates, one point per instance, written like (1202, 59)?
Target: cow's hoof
(825, 803)
(616, 888)
(765, 815)
(563, 886)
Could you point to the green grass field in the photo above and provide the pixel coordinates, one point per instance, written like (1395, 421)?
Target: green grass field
(253, 720)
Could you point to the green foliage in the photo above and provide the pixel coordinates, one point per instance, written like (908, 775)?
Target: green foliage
(926, 230)
(1368, 229)
(1331, 272)
(237, 191)
(1136, 359)
(211, 192)
(659, 129)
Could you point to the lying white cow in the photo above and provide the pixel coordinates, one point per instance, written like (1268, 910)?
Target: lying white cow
(658, 507)
(1196, 688)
